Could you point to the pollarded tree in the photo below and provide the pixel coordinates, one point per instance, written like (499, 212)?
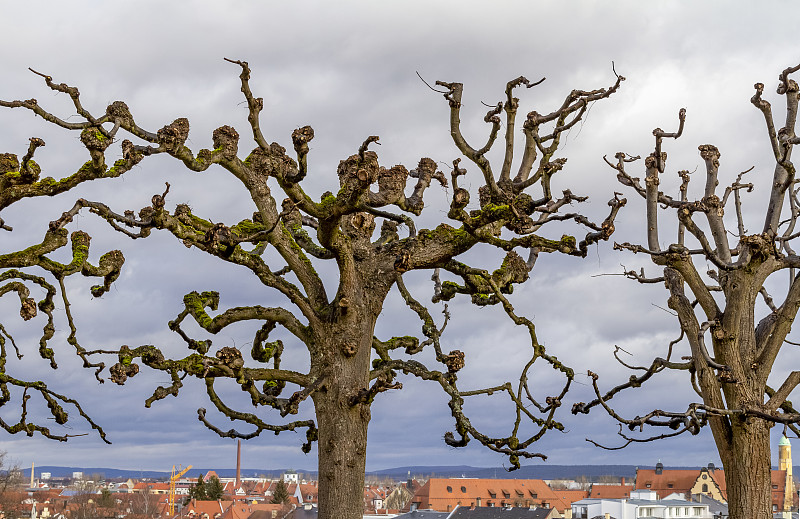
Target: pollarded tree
(349, 365)
(731, 353)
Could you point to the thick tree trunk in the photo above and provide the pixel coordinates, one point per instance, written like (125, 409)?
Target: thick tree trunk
(342, 444)
(746, 458)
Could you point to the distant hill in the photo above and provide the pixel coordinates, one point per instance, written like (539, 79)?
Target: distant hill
(591, 472)
(109, 473)
(526, 472)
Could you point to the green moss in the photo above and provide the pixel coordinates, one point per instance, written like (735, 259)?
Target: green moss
(262, 353)
(327, 202)
(246, 228)
(495, 210)
(197, 303)
(299, 250)
(120, 166)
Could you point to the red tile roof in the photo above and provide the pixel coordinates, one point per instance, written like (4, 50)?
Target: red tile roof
(444, 494)
(567, 497)
(610, 491)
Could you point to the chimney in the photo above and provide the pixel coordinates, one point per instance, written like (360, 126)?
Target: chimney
(711, 467)
(622, 480)
(659, 468)
(238, 463)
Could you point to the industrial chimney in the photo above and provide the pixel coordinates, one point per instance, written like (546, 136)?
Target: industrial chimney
(238, 464)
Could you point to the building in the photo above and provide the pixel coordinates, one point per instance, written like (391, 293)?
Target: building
(785, 465)
(710, 481)
(642, 503)
(603, 491)
(445, 494)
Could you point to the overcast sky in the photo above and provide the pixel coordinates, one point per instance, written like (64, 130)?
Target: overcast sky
(348, 69)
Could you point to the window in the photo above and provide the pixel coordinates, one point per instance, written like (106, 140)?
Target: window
(492, 494)
(647, 485)
(449, 489)
(506, 494)
(774, 487)
(705, 476)
(533, 494)
(463, 490)
(705, 487)
(670, 485)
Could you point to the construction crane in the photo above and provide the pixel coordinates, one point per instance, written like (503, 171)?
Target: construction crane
(172, 479)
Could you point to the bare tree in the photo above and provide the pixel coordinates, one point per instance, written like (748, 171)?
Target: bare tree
(11, 482)
(726, 285)
(349, 365)
(144, 504)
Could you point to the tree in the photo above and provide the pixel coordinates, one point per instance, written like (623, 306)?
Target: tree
(214, 489)
(144, 504)
(198, 491)
(722, 306)
(11, 494)
(106, 500)
(281, 493)
(349, 365)
(83, 505)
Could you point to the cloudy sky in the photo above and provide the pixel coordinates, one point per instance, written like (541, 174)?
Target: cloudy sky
(348, 69)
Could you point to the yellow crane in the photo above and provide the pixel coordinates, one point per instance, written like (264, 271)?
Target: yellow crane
(172, 479)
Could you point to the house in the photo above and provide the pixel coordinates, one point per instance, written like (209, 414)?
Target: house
(151, 488)
(205, 509)
(708, 481)
(642, 503)
(484, 512)
(503, 513)
(603, 491)
(567, 497)
(241, 510)
(423, 514)
(308, 493)
(445, 494)
(374, 498)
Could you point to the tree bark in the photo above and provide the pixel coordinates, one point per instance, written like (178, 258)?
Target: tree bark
(746, 458)
(342, 445)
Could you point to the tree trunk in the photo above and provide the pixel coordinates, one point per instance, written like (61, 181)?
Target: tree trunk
(746, 458)
(342, 444)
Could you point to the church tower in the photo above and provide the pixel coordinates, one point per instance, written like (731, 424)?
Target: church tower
(785, 463)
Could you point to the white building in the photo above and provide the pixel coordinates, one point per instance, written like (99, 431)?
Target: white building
(642, 504)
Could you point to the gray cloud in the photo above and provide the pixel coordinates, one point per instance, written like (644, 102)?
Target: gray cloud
(348, 69)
